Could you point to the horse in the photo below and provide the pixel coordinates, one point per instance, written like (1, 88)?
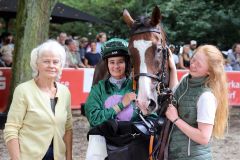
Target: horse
(150, 71)
(148, 49)
(149, 52)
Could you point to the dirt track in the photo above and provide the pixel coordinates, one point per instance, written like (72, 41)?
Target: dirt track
(227, 149)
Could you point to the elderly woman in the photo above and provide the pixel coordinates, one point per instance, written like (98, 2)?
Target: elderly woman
(39, 123)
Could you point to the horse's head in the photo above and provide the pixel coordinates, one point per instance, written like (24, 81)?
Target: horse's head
(147, 46)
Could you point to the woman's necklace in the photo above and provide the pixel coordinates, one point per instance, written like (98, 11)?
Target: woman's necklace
(50, 91)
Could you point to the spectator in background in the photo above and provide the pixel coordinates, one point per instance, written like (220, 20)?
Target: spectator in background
(6, 57)
(175, 56)
(92, 57)
(227, 66)
(62, 37)
(39, 122)
(6, 51)
(193, 46)
(101, 38)
(83, 44)
(7, 39)
(11, 40)
(234, 57)
(184, 58)
(73, 59)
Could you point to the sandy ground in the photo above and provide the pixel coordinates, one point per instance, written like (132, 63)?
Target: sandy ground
(226, 149)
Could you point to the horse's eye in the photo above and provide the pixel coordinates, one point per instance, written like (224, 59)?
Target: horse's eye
(159, 49)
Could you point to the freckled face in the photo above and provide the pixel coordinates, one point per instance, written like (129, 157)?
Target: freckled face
(117, 66)
(49, 65)
(198, 65)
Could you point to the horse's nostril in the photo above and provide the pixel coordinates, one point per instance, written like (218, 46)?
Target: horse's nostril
(152, 105)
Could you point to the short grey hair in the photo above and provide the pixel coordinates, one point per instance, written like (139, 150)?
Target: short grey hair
(52, 46)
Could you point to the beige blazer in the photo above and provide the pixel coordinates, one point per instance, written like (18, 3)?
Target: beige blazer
(31, 120)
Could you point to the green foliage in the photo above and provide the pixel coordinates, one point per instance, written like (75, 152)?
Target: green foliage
(207, 21)
(108, 10)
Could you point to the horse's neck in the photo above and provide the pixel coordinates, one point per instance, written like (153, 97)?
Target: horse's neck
(100, 72)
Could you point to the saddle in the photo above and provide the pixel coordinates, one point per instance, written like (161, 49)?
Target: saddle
(124, 140)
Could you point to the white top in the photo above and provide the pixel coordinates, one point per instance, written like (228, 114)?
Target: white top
(206, 108)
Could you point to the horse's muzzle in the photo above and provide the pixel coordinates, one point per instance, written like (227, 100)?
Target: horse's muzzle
(147, 107)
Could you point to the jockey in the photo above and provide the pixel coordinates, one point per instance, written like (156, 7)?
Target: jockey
(112, 98)
(110, 110)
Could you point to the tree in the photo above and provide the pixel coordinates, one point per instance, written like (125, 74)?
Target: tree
(31, 29)
(113, 15)
(207, 21)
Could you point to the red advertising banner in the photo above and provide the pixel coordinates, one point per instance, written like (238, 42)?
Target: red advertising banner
(5, 76)
(233, 86)
(79, 83)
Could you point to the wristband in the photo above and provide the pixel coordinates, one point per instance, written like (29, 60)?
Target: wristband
(175, 120)
(116, 108)
(121, 106)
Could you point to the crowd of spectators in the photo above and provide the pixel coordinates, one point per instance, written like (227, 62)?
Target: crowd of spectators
(183, 54)
(85, 53)
(82, 52)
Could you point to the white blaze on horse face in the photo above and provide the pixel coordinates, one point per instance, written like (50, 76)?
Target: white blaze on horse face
(144, 83)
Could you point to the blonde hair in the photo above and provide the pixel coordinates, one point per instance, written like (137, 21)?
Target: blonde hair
(217, 82)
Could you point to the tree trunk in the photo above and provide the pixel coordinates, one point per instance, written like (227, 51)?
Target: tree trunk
(32, 29)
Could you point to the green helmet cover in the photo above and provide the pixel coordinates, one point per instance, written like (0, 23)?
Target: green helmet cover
(114, 47)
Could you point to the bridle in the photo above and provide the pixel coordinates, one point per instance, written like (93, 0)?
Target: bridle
(141, 27)
(161, 78)
(155, 150)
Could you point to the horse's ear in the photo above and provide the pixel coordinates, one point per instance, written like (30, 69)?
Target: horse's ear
(156, 16)
(127, 18)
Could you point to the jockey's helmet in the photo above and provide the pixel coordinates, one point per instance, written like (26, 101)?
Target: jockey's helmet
(114, 47)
